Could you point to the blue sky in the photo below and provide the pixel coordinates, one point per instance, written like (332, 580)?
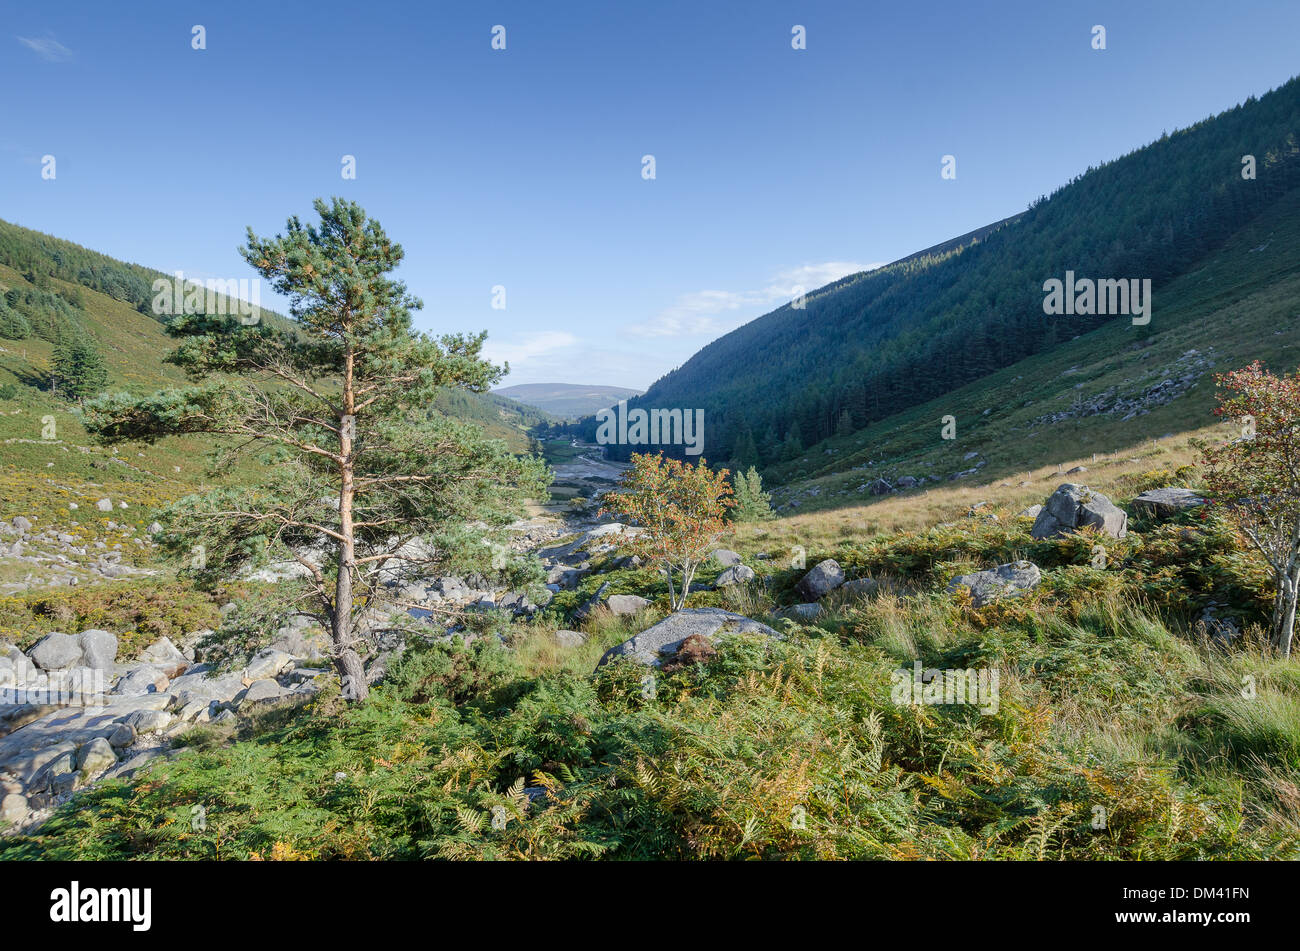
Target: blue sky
(522, 167)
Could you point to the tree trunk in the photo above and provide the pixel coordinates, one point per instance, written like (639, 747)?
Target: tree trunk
(352, 673)
(1287, 625)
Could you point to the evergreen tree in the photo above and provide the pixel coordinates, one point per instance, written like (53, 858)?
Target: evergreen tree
(752, 503)
(844, 427)
(366, 483)
(746, 452)
(793, 444)
(78, 371)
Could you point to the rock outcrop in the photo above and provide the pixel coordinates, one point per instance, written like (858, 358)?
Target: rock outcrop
(1006, 580)
(663, 640)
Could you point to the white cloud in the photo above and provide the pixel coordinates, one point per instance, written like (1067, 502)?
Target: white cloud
(47, 48)
(526, 348)
(716, 312)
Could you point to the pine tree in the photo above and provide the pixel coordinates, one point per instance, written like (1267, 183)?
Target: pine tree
(78, 370)
(366, 482)
(746, 452)
(752, 503)
(844, 427)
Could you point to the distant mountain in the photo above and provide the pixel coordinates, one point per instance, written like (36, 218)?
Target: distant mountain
(876, 344)
(567, 399)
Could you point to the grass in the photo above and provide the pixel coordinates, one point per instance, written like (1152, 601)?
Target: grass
(785, 749)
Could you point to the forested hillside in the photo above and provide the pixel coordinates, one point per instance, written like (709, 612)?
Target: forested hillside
(877, 343)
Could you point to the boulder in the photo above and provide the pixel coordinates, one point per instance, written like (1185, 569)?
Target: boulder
(740, 574)
(141, 679)
(624, 605)
(1072, 507)
(56, 651)
(13, 808)
(584, 609)
(1031, 512)
(121, 737)
(267, 663)
(163, 653)
(906, 482)
(263, 690)
(861, 587)
(570, 638)
(664, 638)
(726, 557)
(825, 577)
(1003, 581)
(1163, 503)
(810, 611)
(104, 505)
(149, 721)
(95, 757)
(98, 649)
(21, 524)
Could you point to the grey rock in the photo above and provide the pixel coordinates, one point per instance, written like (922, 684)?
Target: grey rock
(63, 762)
(625, 605)
(740, 574)
(809, 611)
(123, 736)
(21, 523)
(56, 651)
(149, 721)
(141, 679)
(570, 638)
(163, 653)
(1072, 507)
(98, 649)
(1003, 581)
(726, 557)
(128, 768)
(104, 505)
(95, 757)
(267, 663)
(1031, 512)
(666, 636)
(263, 690)
(13, 808)
(861, 587)
(825, 577)
(1162, 503)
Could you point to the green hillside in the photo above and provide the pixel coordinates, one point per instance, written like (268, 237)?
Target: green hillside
(1098, 393)
(52, 290)
(888, 341)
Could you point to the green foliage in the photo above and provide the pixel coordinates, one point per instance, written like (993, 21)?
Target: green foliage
(950, 315)
(752, 503)
(776, 749)
(78, 372)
